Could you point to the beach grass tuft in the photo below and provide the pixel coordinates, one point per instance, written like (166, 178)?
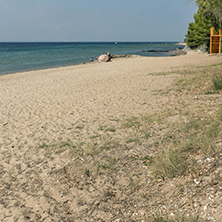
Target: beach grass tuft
(217, 81)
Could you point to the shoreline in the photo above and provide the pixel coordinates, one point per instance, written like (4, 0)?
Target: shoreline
(177, 52)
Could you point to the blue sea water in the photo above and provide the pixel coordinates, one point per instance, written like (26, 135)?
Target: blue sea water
(18, 57)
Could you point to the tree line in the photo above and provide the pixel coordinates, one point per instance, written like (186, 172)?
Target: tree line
(209, 14)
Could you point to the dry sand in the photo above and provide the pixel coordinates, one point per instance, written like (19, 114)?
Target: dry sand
(48, 106)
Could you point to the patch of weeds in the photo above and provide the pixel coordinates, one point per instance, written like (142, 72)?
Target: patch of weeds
(137, 175)
(86, 172)
(90, 148)
(180, 187)
(131, 122)
(211, 92)
(200, 80)
(200, 134)
(75, 149)
(160, 118)
(147, 119)
(109, 144)
(83, 148)
(180, 72)
(212, 130)
(161, 73)
(43, 145)
(146, 135)
(159, 218)
(194, 125)
(134, 140)
(94, 136)
(64, 145)
(215, 65)
(135, 157)
(192, 82)
(61, 150)
(147, 160)
(170, 163)
(219, 115)
(102, 128)
(158, 91)
(110, 129)
(133, 185)
(79, 127)
(115, 120)
(109, 163)
(80, 148)
(217, 81)
(107, 129)
(38, 161)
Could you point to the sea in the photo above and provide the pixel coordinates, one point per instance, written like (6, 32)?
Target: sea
(26, 56)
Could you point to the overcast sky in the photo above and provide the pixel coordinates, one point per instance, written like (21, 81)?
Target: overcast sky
(95, 20)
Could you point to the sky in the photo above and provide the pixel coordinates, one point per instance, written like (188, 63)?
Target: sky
(94, 20)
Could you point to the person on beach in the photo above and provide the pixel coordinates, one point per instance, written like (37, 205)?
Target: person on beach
(91, 59)
(109, 57)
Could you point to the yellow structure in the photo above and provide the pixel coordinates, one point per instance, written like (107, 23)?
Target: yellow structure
(215, 41)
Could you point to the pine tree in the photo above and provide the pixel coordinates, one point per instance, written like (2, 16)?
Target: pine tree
(213, 10)
(198, 33)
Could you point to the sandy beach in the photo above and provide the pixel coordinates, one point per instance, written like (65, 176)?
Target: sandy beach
(45, 107)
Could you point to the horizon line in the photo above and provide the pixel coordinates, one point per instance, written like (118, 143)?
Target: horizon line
(85, 41)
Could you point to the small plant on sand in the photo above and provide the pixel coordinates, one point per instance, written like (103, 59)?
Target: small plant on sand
(110, 129)
(43, 145)
(86, 172)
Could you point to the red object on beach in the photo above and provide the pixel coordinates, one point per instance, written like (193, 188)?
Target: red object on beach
(103, 58)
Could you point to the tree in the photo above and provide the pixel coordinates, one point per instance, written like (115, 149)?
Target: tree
(213, 10)
(198, 32)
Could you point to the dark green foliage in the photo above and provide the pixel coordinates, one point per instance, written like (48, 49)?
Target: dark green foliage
(213, 10)
(209, 14)
(198, 33)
